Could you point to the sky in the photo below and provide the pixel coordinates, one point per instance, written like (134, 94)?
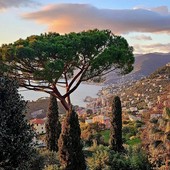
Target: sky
(144, 23)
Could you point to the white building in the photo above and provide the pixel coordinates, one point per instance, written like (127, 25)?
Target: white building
(38, 125)
(88, 121)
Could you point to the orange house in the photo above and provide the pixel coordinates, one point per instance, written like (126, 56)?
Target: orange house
(103, 120)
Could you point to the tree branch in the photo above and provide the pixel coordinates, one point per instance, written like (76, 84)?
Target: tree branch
(74, 88)
(77, 75)
(98, 73)
(35, 86)
(77, 84)
(36, 89)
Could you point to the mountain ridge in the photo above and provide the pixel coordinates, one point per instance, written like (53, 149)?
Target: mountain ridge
(144, 65)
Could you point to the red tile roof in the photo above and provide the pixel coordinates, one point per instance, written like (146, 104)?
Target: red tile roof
(37, 121)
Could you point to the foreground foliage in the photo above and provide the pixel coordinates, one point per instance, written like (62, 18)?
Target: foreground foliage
(157, 143)
(131, 159)
(15, 133)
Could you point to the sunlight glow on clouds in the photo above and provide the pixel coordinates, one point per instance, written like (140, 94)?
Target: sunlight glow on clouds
(146, 27)
(64, 18)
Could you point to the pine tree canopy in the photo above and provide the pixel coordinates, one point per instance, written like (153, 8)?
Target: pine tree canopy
(44, 62)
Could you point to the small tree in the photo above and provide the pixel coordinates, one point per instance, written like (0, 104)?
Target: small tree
(15, 133)
(70, 147)
(53, 126)
(116, 126)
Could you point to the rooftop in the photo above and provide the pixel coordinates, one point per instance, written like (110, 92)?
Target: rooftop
(37, 121)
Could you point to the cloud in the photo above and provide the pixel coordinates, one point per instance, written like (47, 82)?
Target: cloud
(66, 18)
(159, 9)
(158, 47)
(142, 37)
(4, 4)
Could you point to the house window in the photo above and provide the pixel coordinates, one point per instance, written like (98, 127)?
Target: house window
(41, 127)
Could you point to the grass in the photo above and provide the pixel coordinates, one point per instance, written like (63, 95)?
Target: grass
(106, 135)
(133, 142)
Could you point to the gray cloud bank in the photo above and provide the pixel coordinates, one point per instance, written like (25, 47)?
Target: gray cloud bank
(158, 47)
(4, 4)
(142, 37)
(65, 18)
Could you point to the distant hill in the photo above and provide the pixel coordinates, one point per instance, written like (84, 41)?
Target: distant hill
(148, 63)
(41, 104)
(144, 65)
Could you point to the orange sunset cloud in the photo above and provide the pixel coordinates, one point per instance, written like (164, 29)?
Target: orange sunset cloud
(64, 18)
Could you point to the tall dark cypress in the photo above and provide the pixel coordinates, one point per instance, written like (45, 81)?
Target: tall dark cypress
(115, 142)
(15, 133)
(53, 126)
(70, 147)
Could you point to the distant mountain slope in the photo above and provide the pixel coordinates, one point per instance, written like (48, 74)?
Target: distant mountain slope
(144, 66)
(143, 93)
(41, 104)
(148, 63)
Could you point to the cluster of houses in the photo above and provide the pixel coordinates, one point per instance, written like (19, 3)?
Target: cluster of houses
(103, 117)
(39, 124)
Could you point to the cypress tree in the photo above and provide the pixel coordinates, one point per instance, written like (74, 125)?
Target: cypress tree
(70, 147)
(15, 133)
(116, 126)
(53, 126)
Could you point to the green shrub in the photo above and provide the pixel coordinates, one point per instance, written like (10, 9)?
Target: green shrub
(53, 167)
